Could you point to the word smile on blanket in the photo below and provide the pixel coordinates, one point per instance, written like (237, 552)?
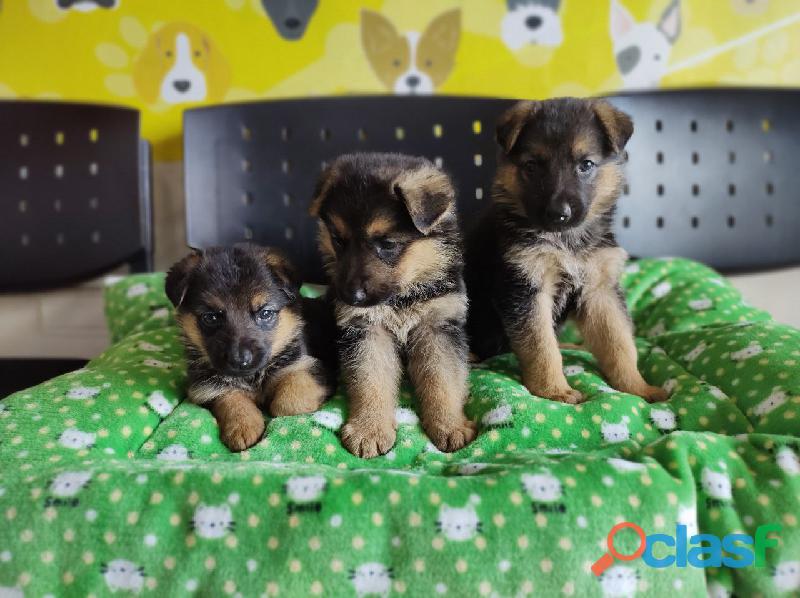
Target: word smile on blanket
(699, 550)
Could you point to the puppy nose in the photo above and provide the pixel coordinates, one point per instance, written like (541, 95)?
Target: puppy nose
(533, 22)
(558, 213)
(412, 80)
(242, 359)
(182, 85)
(292, 23)
(359, 296)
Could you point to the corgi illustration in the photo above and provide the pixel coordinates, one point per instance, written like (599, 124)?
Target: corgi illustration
(411, 63)
(642, 50)
(179, 65)
(531, 22)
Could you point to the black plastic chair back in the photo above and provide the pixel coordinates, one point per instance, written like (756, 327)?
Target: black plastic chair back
(75, 180)
(250, 168)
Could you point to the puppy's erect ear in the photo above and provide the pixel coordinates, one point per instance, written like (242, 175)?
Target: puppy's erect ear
(511, 123)
(284, 272)
(428, 195)
(621, 20)
(177, 281)
(617, 125)
(321, 190)
(670, 22)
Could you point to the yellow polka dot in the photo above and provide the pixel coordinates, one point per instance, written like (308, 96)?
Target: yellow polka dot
(126, 431)
(419, 565)
(316, 587)
(47, 556)
(596, 500)
(133, 518)
(790, 519)
(231, 541)
(414, 520)
(499, 519)
(170, 562)
(634, 501)
(87, 557)
(156, 498)
(763, 499)
(191, 540)
(110, 537)
(565, 544)
(672, 498)
(658, 521)
(485, 588)
(336, 565)
(273, 543)
(295, 566)
(174, 520)
(394, 497)
(253, 520)
(540, 418)
(434, 498)
(480, 543)
(377, 519)
(461, 566)
(210, 563)
(229, 587)
(556, 433)
(546, 565)
(516, 498)
(294, 521)
(437, 543)
(314, 543)
(522, 541)
(67, 577)
(540, 519)
(568, 589)
(357, 498)
(358, 542)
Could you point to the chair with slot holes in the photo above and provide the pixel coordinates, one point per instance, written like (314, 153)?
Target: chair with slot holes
(76, 187)
(709, 174)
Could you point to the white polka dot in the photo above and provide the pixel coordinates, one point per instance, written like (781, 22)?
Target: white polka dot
(336, 521)
(526, 432)
(191, 585)
(150, 540)
(205, 439)
(251, 565)
(5, 556)
(91, 515)
(234, 498)
(141, 479)
(677, 584)
(504, 565)
(608, 481)
(441, 588)
(582, 521)
(396, 541)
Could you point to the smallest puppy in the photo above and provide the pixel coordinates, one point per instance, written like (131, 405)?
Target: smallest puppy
(243, 324)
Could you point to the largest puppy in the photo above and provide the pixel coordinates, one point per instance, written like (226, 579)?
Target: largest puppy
(546, 251)
(390, 240)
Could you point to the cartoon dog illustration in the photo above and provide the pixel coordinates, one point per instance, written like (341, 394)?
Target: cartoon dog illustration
(642, 50)
(290, 17)
(531, 22)
(411, 63)
(86, 5)
(179, 65)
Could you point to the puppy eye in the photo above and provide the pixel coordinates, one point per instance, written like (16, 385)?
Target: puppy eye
(197, 53)
(396, 63)
(266, 314)
(586, 166)
(169, 53)
(211, 318)
(531, 165)
(386, 246)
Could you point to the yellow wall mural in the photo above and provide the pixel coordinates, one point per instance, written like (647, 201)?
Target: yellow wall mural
(162, 56)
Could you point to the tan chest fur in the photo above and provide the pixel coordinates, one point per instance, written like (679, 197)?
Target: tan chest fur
(544, 266)
(399, 322)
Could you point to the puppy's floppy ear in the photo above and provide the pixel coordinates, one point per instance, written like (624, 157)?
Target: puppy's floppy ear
(511, 123)
(428, 195)
(284, 271)
(177, 281)
(322, 188)
(149, 70)
(617, 125)
(218, 73)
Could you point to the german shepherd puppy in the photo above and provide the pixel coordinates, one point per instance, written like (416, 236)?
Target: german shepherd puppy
(390, 241)
(250, 339)
(545, 249)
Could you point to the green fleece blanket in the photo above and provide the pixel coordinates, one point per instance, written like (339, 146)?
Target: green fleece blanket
(111, 483)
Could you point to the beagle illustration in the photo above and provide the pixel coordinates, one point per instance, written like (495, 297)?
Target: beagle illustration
(180, 64)
(411, 63)
(86, 5)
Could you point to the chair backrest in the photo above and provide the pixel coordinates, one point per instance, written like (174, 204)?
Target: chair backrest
(250, 168)
(75, 180)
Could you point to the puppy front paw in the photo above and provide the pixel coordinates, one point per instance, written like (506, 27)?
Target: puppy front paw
(239, 434)
(297, 393)
(567, 395)
(653, 394)
(449, 437)
(368, 439)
